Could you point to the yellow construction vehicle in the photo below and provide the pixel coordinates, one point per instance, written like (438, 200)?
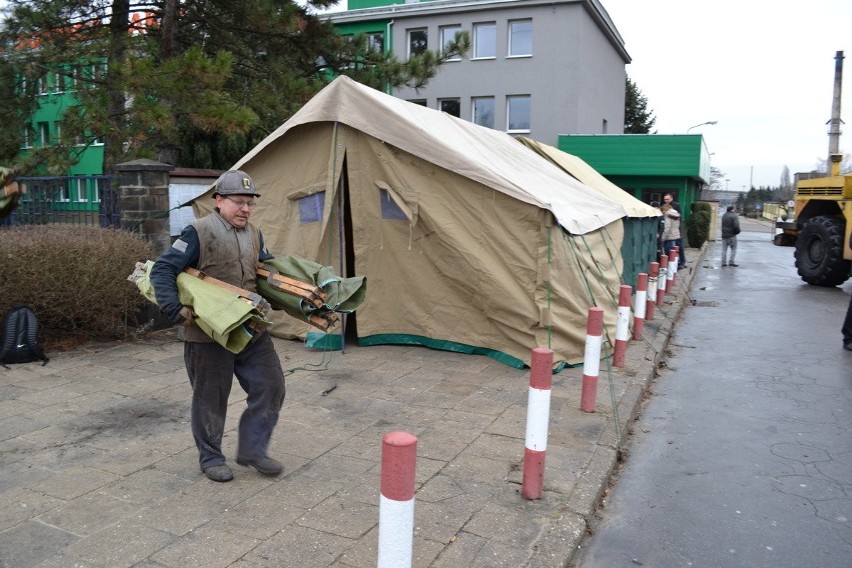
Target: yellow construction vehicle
(822, 227)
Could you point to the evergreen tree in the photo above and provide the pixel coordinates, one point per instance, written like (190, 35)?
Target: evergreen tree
(191, 83)
(637, 118)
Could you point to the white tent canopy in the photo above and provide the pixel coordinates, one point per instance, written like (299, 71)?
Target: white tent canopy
(482, 154)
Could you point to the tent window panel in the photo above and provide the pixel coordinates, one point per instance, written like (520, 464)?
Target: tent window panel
(311, 207)
(390, 210)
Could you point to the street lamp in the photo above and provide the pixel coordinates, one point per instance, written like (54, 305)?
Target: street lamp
(702, 124)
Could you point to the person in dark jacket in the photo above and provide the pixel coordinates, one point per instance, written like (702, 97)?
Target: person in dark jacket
(730, 230)
(847, 328)
(224, 245)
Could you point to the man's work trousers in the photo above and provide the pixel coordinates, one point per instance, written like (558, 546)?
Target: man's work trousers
(211, 369)
(729, 243)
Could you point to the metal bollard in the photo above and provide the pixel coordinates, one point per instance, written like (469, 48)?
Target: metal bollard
(538, 419)
(640, 305)
(592, 360)
(396, 507)
(622, 326)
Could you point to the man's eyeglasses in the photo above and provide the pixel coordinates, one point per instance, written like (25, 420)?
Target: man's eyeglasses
(239, 203)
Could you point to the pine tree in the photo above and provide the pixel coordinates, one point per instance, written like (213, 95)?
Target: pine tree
(637, 118)
(192, 83)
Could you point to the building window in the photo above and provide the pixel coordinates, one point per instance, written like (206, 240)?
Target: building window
(421, 102)
(485, 41)
(417, 41)
(520, 38)
(483, 111)
(44, 134)
(41, 85)
(26, 138)
(81, 189)
(376, 41)
(448, 34)
(59, 81)
(450, 106)
(518, 113)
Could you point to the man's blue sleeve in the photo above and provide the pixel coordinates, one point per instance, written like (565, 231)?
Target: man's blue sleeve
(183, 253)
(264, 254)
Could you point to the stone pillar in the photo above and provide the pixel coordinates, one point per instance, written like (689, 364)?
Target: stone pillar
(144, 193)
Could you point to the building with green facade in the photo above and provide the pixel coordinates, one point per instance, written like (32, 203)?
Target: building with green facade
(647, 165)
(57, 93)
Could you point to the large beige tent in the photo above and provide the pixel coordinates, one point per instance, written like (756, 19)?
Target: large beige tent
(468, 240)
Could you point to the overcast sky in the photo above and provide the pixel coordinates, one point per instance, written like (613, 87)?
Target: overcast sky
(764, 69)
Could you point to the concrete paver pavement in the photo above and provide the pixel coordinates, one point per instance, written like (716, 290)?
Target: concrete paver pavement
(98, 466)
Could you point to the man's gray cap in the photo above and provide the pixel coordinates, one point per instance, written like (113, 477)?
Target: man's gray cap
(235, 182)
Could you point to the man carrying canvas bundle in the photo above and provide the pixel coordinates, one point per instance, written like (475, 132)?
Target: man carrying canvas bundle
(224, 245)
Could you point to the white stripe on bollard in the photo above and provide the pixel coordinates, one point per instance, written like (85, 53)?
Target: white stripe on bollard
(671, 275)
(622, 326)
(538, 419)
(640, 305)
(654, 273)
(592, 360)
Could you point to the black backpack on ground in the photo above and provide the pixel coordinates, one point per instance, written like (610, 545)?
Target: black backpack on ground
(20, 337)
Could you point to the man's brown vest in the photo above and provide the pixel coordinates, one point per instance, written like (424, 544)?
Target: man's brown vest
(226, 253)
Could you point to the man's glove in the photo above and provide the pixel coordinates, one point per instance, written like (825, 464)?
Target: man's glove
(184, 317)
(263, 306)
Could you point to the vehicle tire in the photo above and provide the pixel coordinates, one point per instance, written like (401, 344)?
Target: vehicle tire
(819, 252)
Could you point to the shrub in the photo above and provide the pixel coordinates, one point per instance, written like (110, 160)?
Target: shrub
(698, 225)
(75, 278)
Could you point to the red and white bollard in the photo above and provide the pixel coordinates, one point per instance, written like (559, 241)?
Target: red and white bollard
(640, 302)
(662, 280)
(622, 326)
(653, 276)
(592, 359)
(538, 420)
(672, 273)
(396, 507)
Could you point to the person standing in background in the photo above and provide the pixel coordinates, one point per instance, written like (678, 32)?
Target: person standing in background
(668, 200)
(671, 228)
(730, 230)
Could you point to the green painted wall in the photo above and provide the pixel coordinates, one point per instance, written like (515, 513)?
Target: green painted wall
(639, 154)
(361, 4)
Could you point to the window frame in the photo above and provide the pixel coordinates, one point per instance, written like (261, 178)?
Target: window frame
(457, 29)
(511, 35)
(473, 110)
(509, 114)
(477, 29)
(408, 39)
(456, 100)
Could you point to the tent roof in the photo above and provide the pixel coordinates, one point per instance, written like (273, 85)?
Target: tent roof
(589, 176)
(492, 158)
